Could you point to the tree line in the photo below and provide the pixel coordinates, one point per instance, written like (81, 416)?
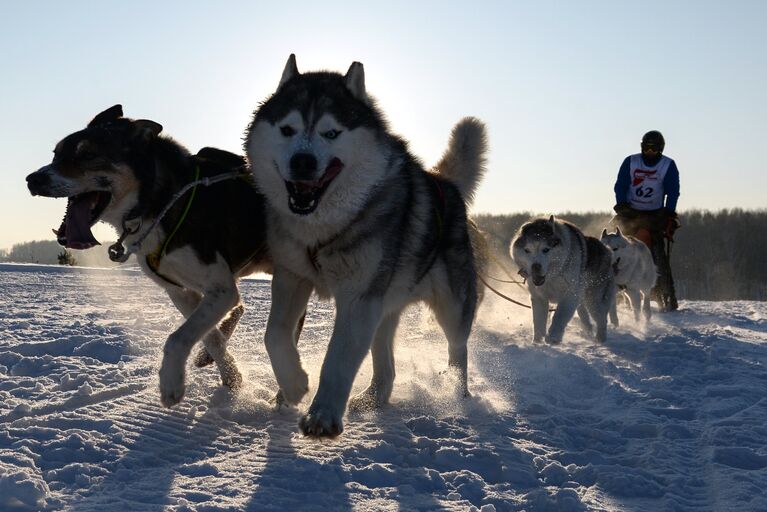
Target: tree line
(49, 252)
(716, 255)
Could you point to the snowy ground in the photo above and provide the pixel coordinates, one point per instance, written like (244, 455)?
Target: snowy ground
(673, 417)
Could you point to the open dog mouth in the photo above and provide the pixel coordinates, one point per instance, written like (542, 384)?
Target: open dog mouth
(304, 196)
(83, 211)
(538, 279)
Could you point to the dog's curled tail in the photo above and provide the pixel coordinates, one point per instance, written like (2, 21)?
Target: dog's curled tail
(464, 160)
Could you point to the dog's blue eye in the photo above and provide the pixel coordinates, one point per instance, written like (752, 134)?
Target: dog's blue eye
(545, 250)
(287, 130)
(331, 134)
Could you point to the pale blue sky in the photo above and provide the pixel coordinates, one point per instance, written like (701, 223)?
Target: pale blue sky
(566, 88)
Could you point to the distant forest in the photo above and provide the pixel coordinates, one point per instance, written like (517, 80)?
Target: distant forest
(46, 252)
(717, 255)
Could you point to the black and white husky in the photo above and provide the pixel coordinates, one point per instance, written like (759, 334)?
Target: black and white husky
(564, 267)
(352, 214)
(123, 172)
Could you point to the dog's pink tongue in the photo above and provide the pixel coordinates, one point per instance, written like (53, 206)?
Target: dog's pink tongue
(78, 229)
(332, 170)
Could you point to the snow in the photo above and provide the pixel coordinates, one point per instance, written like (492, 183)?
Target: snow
(670, 416)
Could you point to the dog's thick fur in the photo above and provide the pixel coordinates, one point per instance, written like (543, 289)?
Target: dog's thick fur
(635, 271)
(123, 172)
(564, 267)
(352, 214)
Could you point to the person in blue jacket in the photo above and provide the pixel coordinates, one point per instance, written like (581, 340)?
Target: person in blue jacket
(646, 194)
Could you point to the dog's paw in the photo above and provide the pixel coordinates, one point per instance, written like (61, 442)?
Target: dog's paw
(232, 379)
(279, 401)
(368, 400)
(553, 340)
(321, 422)
(203, 358)
(171, 383)
(230, 375)
(296, 388)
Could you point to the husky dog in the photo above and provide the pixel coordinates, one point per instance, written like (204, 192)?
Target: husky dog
(563, 266)
(121, 171)
(352, 214)
(635, 271)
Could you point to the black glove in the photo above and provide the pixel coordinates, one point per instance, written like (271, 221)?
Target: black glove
(672, 223)
(624, 210)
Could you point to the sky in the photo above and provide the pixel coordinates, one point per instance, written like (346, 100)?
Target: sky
(566, 88)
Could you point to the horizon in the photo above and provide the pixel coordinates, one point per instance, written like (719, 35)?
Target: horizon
(566, 91)
(101, 227)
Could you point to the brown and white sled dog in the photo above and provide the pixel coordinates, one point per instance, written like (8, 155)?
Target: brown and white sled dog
(123, 172)
(565, 267)
(352, 214)
(635, 271)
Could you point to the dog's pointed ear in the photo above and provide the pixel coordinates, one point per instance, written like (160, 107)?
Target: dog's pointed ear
(290, 70)
(146, 129)
(618, 231)
(355, 81)
(110, 114)
(604, 232)
(551, 220)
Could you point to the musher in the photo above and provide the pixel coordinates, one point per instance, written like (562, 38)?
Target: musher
(646, 194)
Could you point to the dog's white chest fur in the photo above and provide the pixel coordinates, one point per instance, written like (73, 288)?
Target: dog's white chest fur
(556, 287)
(330, 268)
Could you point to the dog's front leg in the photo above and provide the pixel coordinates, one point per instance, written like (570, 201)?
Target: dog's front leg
(356, 322)
(217, 300)
(540, 316)
(583, 314)
(646, 305)
(562, 316)
(614, 309)
(635, 296)
(290, 294)
(186, 301)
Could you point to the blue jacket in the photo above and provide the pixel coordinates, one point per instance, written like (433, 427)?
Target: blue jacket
(670, 184)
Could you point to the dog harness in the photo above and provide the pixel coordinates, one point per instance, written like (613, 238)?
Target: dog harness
(153, 259)
(132, 226)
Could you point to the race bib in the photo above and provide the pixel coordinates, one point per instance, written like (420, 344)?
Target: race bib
(646, 189)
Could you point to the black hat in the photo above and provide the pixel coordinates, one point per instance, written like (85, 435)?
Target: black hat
(654, 139)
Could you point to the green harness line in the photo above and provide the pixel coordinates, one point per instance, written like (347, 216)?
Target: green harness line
(119, 253)
(153, 260)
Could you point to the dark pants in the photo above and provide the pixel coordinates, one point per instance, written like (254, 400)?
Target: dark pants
(650, 227)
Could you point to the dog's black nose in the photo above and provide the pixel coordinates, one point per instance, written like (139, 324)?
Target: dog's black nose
(36, 181)
(303, 167)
